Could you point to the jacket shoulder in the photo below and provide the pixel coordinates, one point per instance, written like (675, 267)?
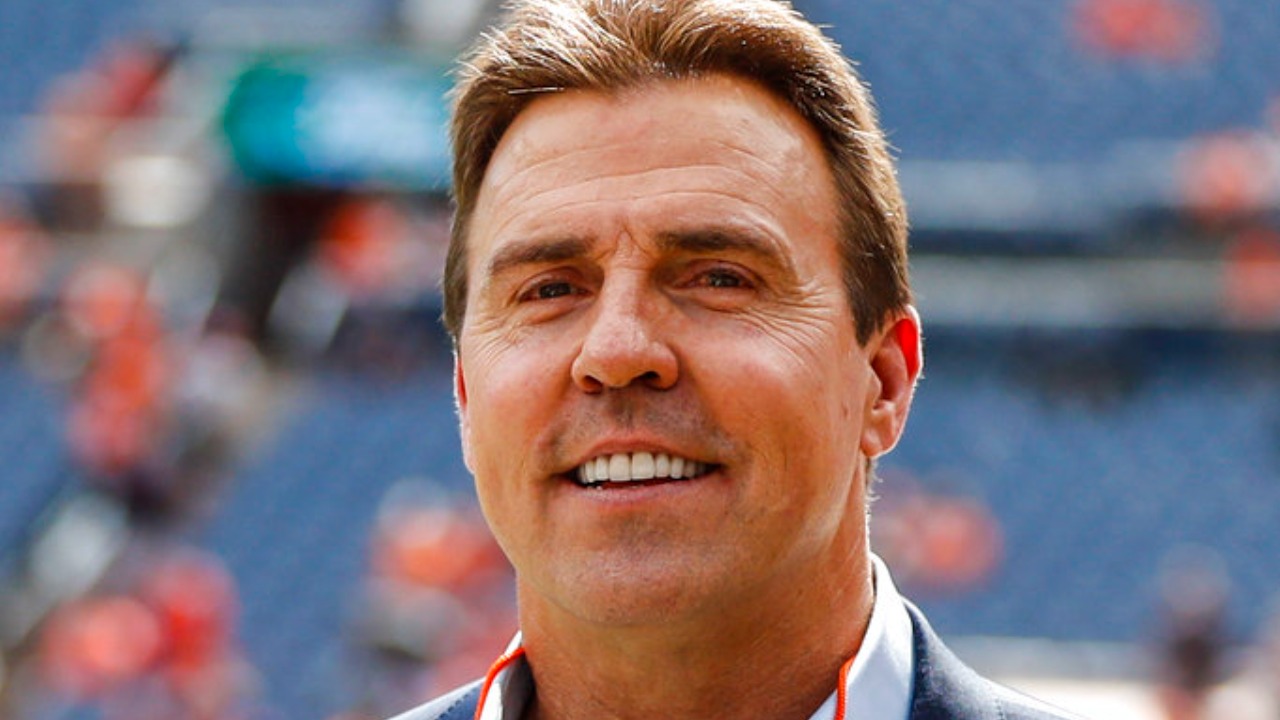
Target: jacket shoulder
(458, 704)
(945, 688)
(1016, 706)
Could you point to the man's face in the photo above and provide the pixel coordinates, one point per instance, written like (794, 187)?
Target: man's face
(654, 282)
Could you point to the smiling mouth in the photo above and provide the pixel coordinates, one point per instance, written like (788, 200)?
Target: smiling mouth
(638, 467)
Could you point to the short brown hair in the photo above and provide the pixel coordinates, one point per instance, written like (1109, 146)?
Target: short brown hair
(554, 45)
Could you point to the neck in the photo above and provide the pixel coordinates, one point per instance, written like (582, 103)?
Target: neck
(777, 657)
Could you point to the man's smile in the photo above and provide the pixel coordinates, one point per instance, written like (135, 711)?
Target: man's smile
(638, 467)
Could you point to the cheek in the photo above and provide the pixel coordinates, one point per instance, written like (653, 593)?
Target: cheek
(795, 387)
(776, 410)
(799, 413)
(513, 393)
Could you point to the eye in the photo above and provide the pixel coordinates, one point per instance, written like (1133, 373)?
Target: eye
(722, 278)
(549, 290)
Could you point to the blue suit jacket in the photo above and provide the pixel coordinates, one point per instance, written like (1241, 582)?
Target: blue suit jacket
(944, 689)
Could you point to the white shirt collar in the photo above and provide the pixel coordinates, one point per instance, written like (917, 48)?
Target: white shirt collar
(877, 681)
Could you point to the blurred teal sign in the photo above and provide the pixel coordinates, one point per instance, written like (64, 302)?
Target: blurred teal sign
(340, 121)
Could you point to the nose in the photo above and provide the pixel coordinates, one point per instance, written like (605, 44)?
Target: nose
(624, 344)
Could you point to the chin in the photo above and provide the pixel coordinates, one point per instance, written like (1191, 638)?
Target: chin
(632, 595)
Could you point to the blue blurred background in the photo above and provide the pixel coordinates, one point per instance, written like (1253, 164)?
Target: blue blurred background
(231, 484)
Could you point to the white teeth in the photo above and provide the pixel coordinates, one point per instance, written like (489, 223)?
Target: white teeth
(677, 467)
(620, 467)
(629, 467)
(642, 466)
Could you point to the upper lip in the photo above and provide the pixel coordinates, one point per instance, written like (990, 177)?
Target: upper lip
(613, 447)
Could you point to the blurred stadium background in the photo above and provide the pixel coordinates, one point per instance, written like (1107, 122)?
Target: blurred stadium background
(230, 482)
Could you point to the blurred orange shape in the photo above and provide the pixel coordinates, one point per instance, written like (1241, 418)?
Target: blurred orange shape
(195, 600)
(101, 299)
(1166, 30)
(96, 645)
(1251, 279)
(1228, 175)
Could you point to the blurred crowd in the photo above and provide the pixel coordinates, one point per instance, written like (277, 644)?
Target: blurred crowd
(1203, 670)
(175, 340)
(174, 348)
(1227, 182)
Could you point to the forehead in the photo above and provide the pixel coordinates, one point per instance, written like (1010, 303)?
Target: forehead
(662, 151)
(723, 107)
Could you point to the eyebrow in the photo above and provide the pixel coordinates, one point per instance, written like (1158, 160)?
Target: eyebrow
(537, 251)
(719, 240)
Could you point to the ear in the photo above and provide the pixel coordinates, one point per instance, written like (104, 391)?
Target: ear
(460, 400)
(896, 358)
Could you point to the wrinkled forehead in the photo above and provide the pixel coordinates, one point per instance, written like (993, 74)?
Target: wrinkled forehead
(711, 134)
(709, 108)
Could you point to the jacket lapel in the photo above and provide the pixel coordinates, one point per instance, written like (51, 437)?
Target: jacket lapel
(945, 688)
